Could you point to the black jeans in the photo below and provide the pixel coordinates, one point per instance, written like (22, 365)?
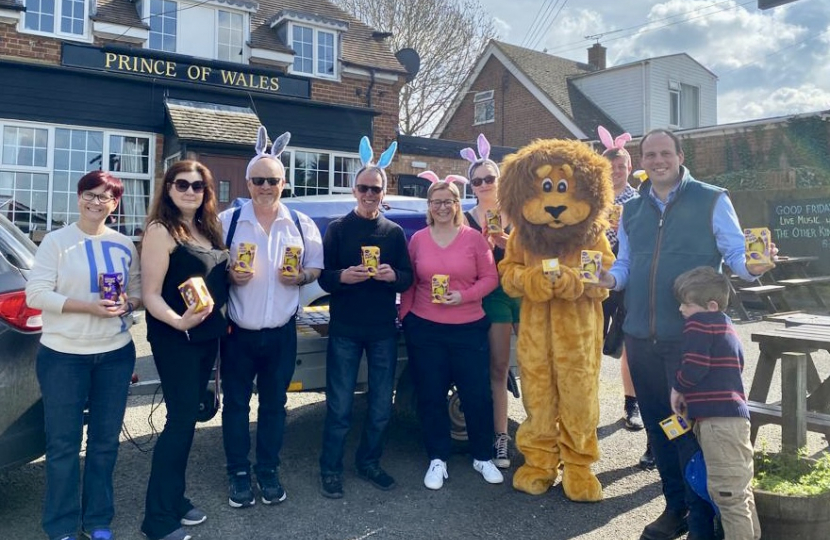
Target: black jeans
(342, 362)
(269, 355)
(440, 354)
(654, 368)
(184, 370)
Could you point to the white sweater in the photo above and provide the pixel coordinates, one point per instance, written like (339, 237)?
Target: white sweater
(67, 265)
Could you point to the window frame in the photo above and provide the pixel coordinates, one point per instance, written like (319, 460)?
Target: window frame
(484, 98)
(241, 58)
(289, 161)
(315, 51)
(164, 14)
(85, 36)
(49, 169)
(680, 94)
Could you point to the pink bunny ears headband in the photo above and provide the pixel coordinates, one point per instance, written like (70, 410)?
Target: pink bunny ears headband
(276, 148)
(366, 156)
(611, 143)
(450, 178)
(483, 155)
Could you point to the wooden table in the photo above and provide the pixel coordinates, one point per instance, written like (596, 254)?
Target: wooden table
(800, 319)
(792, 272)
(803, 385)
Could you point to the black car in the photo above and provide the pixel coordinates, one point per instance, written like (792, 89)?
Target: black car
(22, 436)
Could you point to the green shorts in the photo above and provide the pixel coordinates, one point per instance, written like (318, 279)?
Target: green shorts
(500, 308)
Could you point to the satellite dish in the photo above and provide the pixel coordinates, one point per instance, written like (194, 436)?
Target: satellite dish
(411, 61)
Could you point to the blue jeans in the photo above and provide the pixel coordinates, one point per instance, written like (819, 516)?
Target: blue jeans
(653, 370)
(269, 355)
(68, 382)
(443, 354)
(342, 363)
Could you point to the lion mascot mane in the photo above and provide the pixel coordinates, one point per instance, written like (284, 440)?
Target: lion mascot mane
(556, 194)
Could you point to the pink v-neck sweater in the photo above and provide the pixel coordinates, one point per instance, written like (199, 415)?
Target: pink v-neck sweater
(468, 261)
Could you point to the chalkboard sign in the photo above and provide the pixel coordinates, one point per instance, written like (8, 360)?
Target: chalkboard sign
(802, 227)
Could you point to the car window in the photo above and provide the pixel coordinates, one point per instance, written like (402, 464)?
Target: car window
(15, 246)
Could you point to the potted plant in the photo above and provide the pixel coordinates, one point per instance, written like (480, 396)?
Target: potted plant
(792, 495)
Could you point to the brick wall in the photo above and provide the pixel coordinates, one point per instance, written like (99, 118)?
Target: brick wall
(519, 116)
(15, 45)
(353, 92)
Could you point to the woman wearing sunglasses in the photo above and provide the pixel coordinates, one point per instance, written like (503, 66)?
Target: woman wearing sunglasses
(446, 330)
(502, 310)
(183, 240)
(86, 355)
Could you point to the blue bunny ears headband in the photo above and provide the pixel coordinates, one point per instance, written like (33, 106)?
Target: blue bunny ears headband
(366, 156)
(482, 158)
(262, 142)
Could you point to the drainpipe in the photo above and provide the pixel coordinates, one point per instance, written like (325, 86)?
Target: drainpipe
(369, 103)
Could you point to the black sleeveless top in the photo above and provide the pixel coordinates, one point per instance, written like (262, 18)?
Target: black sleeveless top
(498, 253)
(186, 261)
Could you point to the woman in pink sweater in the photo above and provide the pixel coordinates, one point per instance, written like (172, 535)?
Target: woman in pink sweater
(446, 333)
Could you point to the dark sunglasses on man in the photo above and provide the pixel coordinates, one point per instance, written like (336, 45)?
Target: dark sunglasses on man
(259, 180)
(363, 188)
(489, 179)
(182, 185)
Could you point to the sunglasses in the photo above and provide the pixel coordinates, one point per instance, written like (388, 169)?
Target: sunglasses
(363, 188)
(489, 179)
(260, 180)
(182, 185)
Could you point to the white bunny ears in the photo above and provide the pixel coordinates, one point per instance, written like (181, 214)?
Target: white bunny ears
(611, 143)
(483, 155)
(366, 156)
(276, 148)
(432, 177)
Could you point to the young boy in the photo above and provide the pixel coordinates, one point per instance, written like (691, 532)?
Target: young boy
(709, 390)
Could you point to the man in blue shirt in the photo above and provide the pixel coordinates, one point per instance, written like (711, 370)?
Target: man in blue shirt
(675, 225)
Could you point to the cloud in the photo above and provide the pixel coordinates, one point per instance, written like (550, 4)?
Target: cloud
(502, 27)
(742, 104)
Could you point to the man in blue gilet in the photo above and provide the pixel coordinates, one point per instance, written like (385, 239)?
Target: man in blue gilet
(677, 224)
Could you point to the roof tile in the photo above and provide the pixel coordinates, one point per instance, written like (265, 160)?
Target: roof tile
(121, 12)
(208, 122)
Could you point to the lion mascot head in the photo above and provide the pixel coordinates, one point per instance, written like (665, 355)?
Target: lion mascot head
(556, 194)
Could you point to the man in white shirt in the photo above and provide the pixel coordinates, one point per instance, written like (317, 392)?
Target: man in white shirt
(262, 341)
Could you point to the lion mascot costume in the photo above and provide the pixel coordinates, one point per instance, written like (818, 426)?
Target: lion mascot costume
(556, 194)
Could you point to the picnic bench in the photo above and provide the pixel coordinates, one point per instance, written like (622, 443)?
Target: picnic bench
(805, 398)
(771, 288)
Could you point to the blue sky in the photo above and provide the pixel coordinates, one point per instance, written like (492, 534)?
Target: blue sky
(769, 63)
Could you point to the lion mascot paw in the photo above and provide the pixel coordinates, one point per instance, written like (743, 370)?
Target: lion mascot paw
(556, 194)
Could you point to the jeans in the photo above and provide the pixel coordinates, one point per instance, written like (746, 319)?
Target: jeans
(68, 382)
(440, 354)
(653, 367)
(184, 369)
(269, 355)
(342, 362)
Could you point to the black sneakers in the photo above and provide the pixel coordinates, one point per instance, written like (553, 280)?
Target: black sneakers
(668, 526)
(647, 459)
(270, 489)
(331, 486)
(377, 477)
(240, 494)
(632, 419)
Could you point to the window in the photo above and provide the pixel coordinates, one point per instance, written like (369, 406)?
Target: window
(314, 51)
(231, 36)
(485, 107)
(684, 105)
(318, 173)
(224, 191)
(163, 16)
(61, 17)
(40, 168)
(344, 171)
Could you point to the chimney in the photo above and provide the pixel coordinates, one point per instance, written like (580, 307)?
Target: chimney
(596, 56)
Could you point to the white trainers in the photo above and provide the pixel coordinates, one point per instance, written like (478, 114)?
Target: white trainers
(434, 479)
(489, 471)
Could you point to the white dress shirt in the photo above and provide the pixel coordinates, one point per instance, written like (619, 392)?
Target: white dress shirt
(265, 302)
